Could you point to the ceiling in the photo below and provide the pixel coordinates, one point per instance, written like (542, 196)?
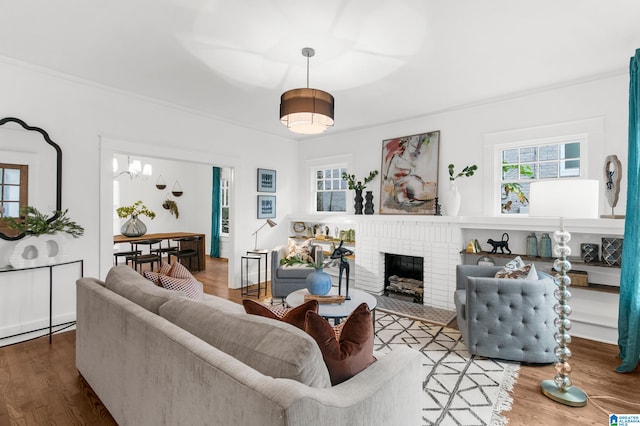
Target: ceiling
(383, 61)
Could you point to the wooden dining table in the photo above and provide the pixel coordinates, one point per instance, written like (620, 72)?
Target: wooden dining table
(198, 245)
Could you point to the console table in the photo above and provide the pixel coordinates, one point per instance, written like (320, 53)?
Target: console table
(50, 266)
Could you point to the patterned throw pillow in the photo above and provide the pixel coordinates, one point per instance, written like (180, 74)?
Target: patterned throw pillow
(178, 270)
(517, 269)
(347, 348)
(190, 286)
(302, 251)
(154, 277)
(294, 316)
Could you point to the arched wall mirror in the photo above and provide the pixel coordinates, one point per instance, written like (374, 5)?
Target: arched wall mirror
(30, 172)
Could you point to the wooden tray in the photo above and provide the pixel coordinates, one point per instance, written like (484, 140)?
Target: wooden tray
(334, 298)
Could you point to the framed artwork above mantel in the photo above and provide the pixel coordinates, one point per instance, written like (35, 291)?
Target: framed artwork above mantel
(409, 181)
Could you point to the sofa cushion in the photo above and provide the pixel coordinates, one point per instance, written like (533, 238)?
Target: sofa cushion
(517, 269)
(302, 251)
(129, 284)
(190, 286)
(347, 349)
(271, 347)
(155, 276)
(294, 316)
(293, 271)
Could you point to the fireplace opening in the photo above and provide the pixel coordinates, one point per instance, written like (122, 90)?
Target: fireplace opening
(404, 277)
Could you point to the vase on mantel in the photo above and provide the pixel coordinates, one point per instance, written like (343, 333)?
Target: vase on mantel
(358, 202)
(133, 227)
(453, 200)
(368, 205)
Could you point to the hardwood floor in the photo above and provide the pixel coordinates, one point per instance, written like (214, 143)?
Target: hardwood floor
(39, 384)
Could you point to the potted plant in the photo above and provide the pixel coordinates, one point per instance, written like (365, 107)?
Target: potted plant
(36, 223)
(359, 186)
(43, 242)
(134, 227)
(172, 206)
(453, 199)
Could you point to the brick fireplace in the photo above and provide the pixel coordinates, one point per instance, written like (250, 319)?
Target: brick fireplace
(436, 239)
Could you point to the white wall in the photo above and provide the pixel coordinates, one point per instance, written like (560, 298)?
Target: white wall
(601, 103)
(78, 116)
(463, 132)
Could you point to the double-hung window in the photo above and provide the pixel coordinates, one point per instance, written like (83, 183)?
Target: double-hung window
(528, 162)
(13, 189)
(224, 192)
(329, 188)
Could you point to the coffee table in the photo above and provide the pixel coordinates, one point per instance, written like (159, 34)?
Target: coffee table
(335, 311)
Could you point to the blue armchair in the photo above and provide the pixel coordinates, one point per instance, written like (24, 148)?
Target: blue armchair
(287, 279)
(504, 318)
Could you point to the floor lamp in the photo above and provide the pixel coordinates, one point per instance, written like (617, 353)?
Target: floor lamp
(271, 225)
(563, 198)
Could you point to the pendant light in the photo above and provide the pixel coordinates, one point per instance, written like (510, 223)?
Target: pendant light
(306, 111)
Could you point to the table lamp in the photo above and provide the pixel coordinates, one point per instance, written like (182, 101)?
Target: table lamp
(563, 198)
(268, 222)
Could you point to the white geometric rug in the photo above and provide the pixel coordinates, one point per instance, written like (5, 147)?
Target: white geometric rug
(458, 388)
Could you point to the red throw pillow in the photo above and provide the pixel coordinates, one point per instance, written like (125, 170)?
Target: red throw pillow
(294, 316)
(347, 348)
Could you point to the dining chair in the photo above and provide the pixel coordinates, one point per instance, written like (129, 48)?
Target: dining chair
(150, 257)
(165, 250)
(127, 254)
(188, 250)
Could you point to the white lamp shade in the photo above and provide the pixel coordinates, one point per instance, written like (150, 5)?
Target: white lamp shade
(147, 170)
(564, 198)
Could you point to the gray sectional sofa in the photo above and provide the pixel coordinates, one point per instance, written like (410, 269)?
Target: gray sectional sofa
(155, 357)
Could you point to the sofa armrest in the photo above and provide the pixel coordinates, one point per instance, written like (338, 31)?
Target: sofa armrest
(388, 392)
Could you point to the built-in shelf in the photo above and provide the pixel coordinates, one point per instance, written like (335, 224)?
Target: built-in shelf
(574, 262)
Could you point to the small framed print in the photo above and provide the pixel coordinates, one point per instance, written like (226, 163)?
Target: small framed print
(266, 180)
(266, 206)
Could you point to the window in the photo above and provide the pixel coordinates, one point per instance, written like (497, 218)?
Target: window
(528, 163)
(330, 189)
(224, 192)
(13, 189)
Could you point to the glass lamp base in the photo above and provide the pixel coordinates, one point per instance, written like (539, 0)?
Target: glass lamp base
(574, 396)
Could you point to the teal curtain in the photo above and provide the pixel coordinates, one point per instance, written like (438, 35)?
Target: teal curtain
(629, 309)
(216, 212)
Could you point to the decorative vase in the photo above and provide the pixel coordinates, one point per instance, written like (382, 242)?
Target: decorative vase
(612, 251)
(29, 252)
(358, 202)
(133, 227)
(453, 200)
(532, 245)
(368, 205)
(545, 246)
(589, 252)
(319, 283)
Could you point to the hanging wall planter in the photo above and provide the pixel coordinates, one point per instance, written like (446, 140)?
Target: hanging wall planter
(177, 190)
(172, 207)
(160, 183)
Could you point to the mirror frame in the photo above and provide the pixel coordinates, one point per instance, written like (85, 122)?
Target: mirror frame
(55, 146)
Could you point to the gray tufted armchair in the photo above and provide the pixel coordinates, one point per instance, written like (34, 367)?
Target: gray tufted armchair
(506, 318)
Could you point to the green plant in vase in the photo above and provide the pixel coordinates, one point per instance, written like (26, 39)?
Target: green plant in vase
(134, 227)
(36, 223)
(359, 186)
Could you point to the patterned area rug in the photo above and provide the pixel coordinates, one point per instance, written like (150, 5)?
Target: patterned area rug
(458, 388)
(415, 310)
